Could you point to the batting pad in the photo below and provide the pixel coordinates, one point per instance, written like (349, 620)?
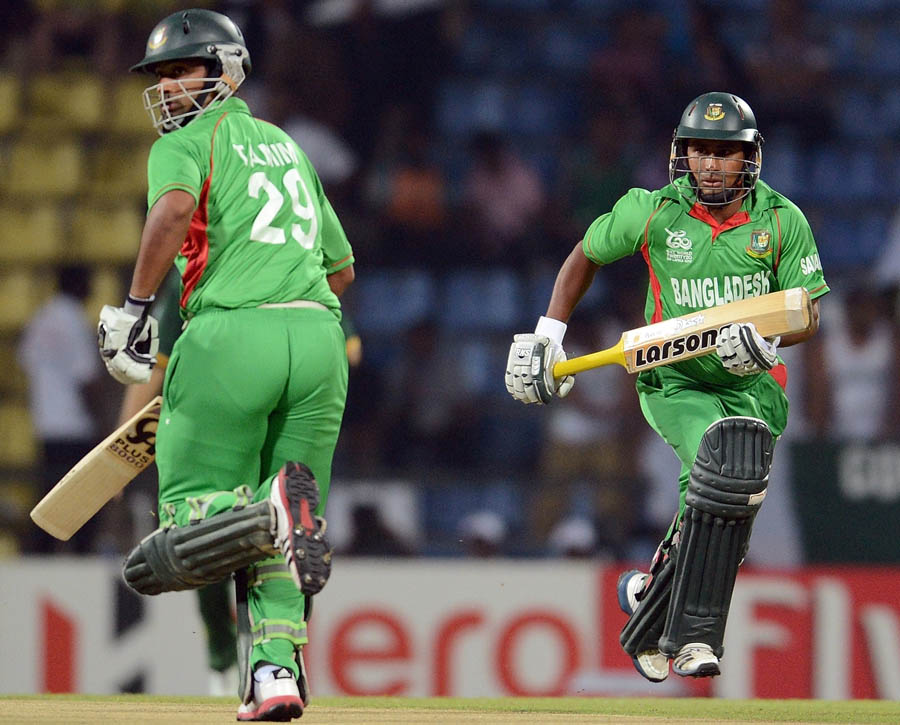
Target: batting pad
(188, 557)
(726, 488)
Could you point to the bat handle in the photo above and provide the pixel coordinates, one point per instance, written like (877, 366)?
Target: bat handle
(611, 356)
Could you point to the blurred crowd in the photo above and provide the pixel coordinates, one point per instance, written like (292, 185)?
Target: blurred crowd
(466, 146)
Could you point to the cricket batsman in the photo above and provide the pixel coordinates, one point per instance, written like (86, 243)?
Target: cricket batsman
(716, 233)
(255, 387)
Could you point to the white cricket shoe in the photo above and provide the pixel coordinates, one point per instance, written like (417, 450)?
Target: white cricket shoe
(651, 664)
(696, 659)
(627, 588)
(299, 533)
(276, 698)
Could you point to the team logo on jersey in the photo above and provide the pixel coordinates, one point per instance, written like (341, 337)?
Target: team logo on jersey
(679, 246)
(158, 39)
(760, 243)
(714, 112)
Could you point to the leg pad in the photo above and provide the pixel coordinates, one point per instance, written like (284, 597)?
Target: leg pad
(726, 488)
(204, 552)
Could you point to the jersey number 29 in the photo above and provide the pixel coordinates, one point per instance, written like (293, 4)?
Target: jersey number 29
(262, 229)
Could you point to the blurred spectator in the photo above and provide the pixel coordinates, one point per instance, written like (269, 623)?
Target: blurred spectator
(599, 170)
(712, 61)
(573, 538)
(483, 534)
(630, 74)
(372, 536)
(86, 34)
(408, 191)
(17, 18)
(429, 417)
(590, 440)
(504, 197)
(58, 353)
(789, 67)
(854, 357)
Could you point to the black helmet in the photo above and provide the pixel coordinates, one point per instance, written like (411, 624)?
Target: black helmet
(721, 117)
(195, 35)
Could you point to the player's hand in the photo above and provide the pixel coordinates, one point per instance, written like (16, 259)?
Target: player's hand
(529, 369)
(743, 351)
(128, 343)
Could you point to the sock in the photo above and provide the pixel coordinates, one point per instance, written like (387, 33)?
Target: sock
(264, 671)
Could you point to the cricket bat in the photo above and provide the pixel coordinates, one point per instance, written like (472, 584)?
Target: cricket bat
(692, 335)
(100, 475)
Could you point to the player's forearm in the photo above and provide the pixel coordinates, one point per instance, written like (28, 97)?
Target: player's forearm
(574, 278)
(341, 280)
(164, 232)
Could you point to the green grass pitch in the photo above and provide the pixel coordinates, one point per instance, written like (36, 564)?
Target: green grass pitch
(201, 710)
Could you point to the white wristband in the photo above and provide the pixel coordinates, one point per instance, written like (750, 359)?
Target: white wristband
(554, 329)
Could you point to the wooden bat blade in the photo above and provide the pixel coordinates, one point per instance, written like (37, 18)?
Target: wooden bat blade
(100, 475)
(778, 313)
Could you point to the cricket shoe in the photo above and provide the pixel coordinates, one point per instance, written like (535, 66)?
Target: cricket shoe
(696, 659)
(275, 699)
(627, 588)
(299, 533)
(651, 664)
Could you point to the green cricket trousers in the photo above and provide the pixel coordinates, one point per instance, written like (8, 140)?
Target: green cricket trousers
(245, 391)
(680, 409)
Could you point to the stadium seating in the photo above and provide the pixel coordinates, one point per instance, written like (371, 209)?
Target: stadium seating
(67, 100)
(44, 168)
(128, 116)
(17, 444)
(105, 234)
(10, 101)
(119, 171)
(30, 233)
(22, 290)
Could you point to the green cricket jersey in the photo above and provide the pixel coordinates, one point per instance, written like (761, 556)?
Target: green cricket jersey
(695, 263)
(263, 230)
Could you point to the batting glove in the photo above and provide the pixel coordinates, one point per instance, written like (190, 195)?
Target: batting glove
(743, 351)
(529, 367)
(128, 338)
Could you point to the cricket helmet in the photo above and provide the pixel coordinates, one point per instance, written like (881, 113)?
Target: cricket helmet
(196, 34)
(721, 117)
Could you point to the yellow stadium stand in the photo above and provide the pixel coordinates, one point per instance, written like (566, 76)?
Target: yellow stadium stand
(13, 381)
(106, 234)
(108, 287)
(119, 171)
(67, 100)
(43, 168)
(10, 101)
(17, 444)
(128, 116)
(30, 234)
(22, 291)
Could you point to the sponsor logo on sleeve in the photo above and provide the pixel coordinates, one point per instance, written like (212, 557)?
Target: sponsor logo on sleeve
(810, 263)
